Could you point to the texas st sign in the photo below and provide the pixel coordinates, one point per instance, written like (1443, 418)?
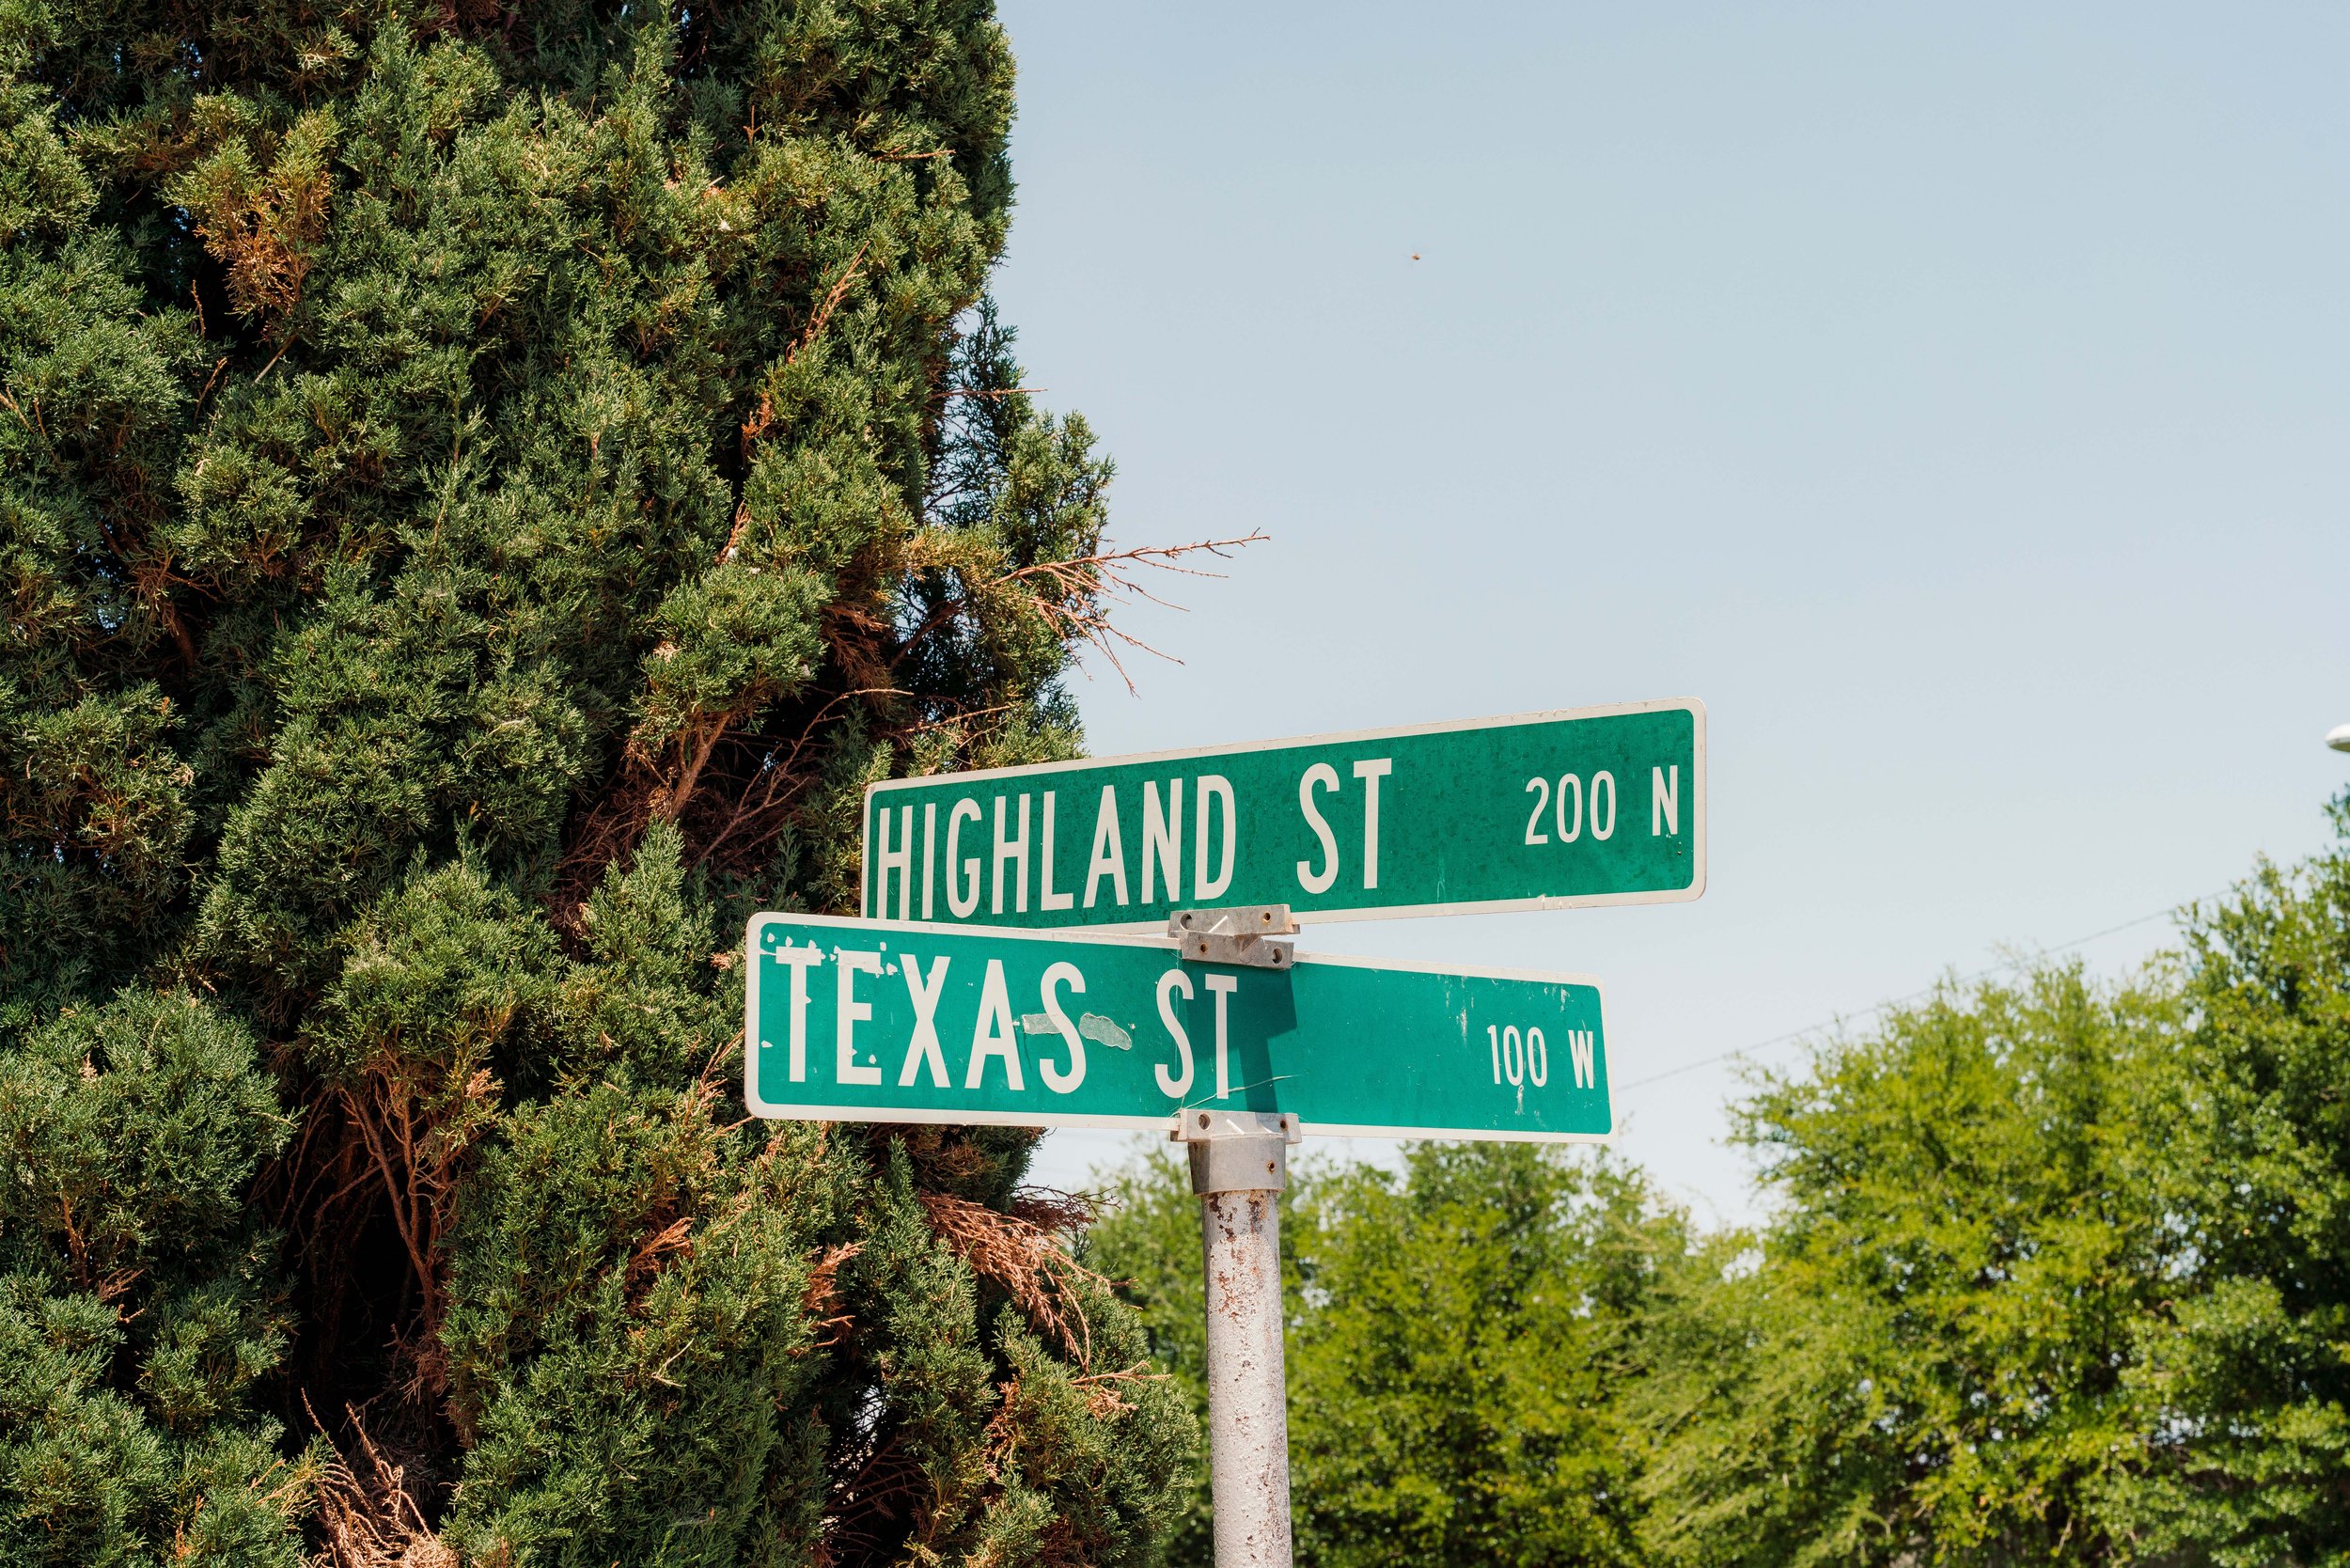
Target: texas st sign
(887, 1021)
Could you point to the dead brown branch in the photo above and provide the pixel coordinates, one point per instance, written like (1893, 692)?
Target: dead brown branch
(1102, 1398)
(646, 1261)
(73, 1243)
(946, 392)
(1052, 1209)
(1076, 595)
(366, 1514)
(758, 803)
(1026, 1258)
(694, 755)
(830, 303)
(417, 1141)
(823, 1293)
(742, 509)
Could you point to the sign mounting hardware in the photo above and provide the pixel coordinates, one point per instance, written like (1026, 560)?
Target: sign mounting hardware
(1239, 936)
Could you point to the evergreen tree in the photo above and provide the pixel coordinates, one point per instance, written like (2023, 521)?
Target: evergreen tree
(482, 488)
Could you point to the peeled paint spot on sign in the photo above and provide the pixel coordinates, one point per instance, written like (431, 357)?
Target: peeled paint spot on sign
(1105, 1031)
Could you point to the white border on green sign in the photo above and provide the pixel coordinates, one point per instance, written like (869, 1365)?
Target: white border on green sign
(1695, 708)
(1163, 1122)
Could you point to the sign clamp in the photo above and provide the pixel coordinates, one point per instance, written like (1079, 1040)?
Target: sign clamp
(1240, 935)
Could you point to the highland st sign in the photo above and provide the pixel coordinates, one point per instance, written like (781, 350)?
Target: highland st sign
(1594, 806)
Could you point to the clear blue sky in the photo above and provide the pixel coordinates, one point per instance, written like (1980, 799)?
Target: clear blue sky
(1957, 399)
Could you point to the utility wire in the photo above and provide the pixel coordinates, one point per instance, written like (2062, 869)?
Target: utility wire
(2000, 967)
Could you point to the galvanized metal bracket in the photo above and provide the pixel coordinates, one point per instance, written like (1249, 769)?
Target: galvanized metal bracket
(1241, 936)
(1201, 1123)
(1237, 1151)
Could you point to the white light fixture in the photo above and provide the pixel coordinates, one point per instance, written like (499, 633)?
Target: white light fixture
(2339, 737)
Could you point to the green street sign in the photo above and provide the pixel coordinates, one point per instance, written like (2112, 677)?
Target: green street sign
(892, 1021)
(1594, 806)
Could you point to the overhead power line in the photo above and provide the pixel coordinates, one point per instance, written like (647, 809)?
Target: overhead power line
(2002, 967)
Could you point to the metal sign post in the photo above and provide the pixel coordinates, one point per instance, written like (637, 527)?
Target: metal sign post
(1239, 1165)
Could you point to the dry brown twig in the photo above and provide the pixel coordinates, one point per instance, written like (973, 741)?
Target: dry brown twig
(1023, 1257)
(776, 779)
(418, 1142)
(825, 309)
(823, 1293)
(1102, 1395)
(371, 1520)
(646, 1261)
(946, 392)
(1069, 594)
(1055, 1210)
(763, 418)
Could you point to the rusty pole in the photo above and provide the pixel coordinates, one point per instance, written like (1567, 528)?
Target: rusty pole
(1239, 1165)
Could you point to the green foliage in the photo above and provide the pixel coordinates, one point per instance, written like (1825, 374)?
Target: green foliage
(2242, 1388)
(627, 1377)
(481, 490)
(1460, 1336)
(1924, 1362)
(1467, 1411)
(2058, 1274)
(129, 1134)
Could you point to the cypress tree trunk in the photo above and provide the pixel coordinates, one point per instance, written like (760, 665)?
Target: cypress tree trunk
(483, 485)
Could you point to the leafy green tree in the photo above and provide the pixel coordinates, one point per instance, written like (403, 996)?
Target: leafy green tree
(2241, 1383)
(1461, 1334)
(482, 488)
(2057, 1273)
(1921, 1358)
(2054, 1271)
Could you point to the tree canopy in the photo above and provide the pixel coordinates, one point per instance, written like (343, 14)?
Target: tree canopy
(482, 487)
